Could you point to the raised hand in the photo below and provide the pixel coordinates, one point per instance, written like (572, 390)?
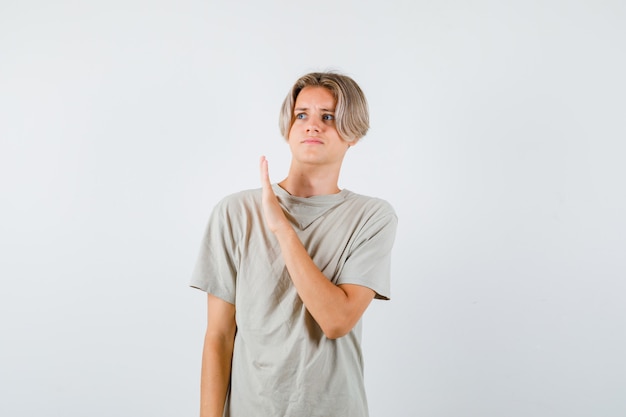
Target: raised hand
(273, 213)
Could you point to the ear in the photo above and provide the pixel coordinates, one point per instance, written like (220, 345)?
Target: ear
(354, 142)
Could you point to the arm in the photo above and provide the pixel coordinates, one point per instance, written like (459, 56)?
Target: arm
(335, 308)
(217, 356)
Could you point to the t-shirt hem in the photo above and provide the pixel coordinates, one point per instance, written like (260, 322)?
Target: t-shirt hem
(379, 293)
(213, 292)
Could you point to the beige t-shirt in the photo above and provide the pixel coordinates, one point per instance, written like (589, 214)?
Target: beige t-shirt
(283, 365)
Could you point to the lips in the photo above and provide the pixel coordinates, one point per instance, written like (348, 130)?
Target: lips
(313, 141)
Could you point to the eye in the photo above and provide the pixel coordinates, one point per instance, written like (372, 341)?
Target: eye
(300, 116)
(328, 117)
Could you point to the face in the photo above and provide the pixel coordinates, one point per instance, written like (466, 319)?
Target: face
(313, 137)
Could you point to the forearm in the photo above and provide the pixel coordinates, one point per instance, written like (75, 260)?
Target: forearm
(331, 307)
(335, 308)
(216, 366)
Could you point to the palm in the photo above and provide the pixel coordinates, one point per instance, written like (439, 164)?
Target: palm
(273, 213)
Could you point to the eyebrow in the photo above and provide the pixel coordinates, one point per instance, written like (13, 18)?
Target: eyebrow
(306, 108)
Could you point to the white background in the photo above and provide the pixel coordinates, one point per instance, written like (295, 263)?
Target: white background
(498, 132)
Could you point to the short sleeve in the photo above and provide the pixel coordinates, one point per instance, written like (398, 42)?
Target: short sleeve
(215, 271)
(369, 260)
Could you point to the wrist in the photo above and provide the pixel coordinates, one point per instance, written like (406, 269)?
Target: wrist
(285, 233)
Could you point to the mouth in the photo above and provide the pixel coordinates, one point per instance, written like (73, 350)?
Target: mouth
(312, 141)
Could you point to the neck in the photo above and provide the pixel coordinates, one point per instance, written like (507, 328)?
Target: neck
(311, 182)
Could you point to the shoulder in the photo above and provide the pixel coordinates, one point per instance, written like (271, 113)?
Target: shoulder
(237, 205)
(240, 198)
(373, 205)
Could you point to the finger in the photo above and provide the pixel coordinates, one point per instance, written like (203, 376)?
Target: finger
(265, 178)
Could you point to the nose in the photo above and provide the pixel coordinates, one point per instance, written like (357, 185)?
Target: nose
(313, 125)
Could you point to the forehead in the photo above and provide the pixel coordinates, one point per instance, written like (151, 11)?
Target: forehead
(315, 96)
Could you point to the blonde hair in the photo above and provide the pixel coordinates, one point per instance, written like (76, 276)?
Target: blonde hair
(351, 111)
